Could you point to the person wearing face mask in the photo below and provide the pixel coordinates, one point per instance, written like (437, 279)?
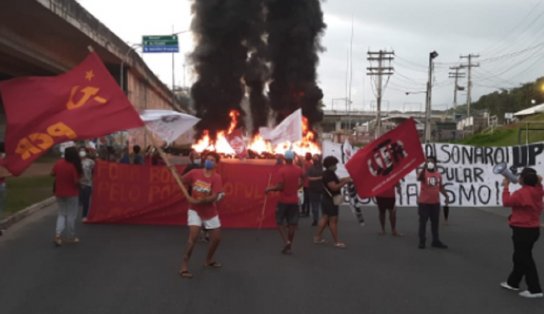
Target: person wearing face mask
(315, 187)
(526, 206)
(431, 186)
(206, 188)
(195, 162)
(331, 186)
(86, 182)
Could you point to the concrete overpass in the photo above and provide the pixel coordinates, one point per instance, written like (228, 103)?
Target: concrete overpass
(48, 37)
(336, 120)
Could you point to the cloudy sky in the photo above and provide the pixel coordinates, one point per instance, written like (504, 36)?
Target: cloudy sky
(507, 34)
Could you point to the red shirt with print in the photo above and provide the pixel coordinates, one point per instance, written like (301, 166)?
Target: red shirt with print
(429, 192)
(203, 186)
(290, 176)
(66, 179)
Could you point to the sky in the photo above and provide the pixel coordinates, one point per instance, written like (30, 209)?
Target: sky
(508, 36)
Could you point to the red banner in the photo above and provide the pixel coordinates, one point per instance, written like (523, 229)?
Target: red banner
(381, 164)
(138, 194)
(82, 103)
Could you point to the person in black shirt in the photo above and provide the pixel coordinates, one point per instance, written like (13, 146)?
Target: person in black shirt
(315, 187)
(332, 186)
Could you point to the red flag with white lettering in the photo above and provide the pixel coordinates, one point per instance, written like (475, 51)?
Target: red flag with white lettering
(82, 103)
(381, 164)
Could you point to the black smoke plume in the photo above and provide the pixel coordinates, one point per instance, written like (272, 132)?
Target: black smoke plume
(257, 71)
(294, 31)
(219, 59)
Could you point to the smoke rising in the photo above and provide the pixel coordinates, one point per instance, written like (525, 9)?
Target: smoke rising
(295, 29)
(237, 41)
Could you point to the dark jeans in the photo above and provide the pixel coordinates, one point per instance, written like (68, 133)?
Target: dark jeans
(315, 204)
(426, 212)
(85, 199)
(524, 265)
(306, 204)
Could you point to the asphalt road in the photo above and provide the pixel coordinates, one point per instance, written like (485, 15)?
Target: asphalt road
(133, 269)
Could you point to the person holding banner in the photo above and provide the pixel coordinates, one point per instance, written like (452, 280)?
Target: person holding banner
(429, 202)
(67, 173)
(332, 198)
(206, 187)
(526, 206)
(290, 179)
(386, 203)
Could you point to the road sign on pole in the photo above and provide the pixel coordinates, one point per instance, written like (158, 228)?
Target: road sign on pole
(166, 43)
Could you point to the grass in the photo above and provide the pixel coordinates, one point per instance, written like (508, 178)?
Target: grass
(25, 191)
(508, 135)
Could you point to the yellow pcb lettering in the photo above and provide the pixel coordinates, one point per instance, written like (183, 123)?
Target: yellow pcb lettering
(36, 143)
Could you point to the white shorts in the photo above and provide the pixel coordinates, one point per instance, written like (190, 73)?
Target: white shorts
(193, 219)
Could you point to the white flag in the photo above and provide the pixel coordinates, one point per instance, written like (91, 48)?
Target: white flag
(168, 125)
(290, 129)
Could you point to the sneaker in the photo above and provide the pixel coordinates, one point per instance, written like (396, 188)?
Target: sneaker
(528, 294)
(439, 245)
(421, 245)
(505, 285)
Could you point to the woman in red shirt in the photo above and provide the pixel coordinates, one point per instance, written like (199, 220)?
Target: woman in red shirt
(67, 173)
(526, 206)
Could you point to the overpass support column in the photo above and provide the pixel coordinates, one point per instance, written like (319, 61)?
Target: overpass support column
(338, 125)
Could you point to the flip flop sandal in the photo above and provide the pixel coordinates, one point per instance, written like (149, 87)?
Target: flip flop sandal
(319, 241)
(185, 274)
(214, 264)
(340, 245)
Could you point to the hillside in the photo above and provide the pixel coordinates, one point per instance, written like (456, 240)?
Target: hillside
(509, 135)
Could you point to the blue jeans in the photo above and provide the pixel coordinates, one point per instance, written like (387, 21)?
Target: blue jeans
(85, 199)
(66, 217)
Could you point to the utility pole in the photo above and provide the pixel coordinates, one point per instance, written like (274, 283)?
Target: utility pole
(469, 66)
(381, 57)
(456, 75)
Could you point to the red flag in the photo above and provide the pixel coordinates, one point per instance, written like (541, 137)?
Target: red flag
(82, 103)
(381, 164)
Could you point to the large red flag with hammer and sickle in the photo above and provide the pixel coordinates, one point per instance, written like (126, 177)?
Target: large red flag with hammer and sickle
(82, 103)
(381, 164)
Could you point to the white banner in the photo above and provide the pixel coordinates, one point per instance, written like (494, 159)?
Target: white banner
(467, 171)
(168, 125)
(289, 130)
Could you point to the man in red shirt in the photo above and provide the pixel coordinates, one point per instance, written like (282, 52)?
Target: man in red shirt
(429, 202)
(290, 181)
(206, 190)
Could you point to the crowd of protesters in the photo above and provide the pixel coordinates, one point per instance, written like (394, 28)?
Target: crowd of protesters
(307, 186)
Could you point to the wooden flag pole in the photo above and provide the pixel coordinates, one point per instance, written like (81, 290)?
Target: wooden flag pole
(172, 169)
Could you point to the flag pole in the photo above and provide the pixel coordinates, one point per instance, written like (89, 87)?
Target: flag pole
(261, 219)
(175, 174)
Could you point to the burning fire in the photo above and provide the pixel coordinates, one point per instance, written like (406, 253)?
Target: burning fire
(257, 144)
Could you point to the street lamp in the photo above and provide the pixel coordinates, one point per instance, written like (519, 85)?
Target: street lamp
(432, 55)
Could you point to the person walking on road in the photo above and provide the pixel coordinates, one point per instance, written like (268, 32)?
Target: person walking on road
(526, 206)
(206, 188)
(386, 203)
(315, 187)
(331, 201)
(86, 181)
(67, 173)
(290, 179)
(429, 202)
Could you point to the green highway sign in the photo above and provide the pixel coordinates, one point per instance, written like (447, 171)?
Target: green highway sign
(166, 43)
